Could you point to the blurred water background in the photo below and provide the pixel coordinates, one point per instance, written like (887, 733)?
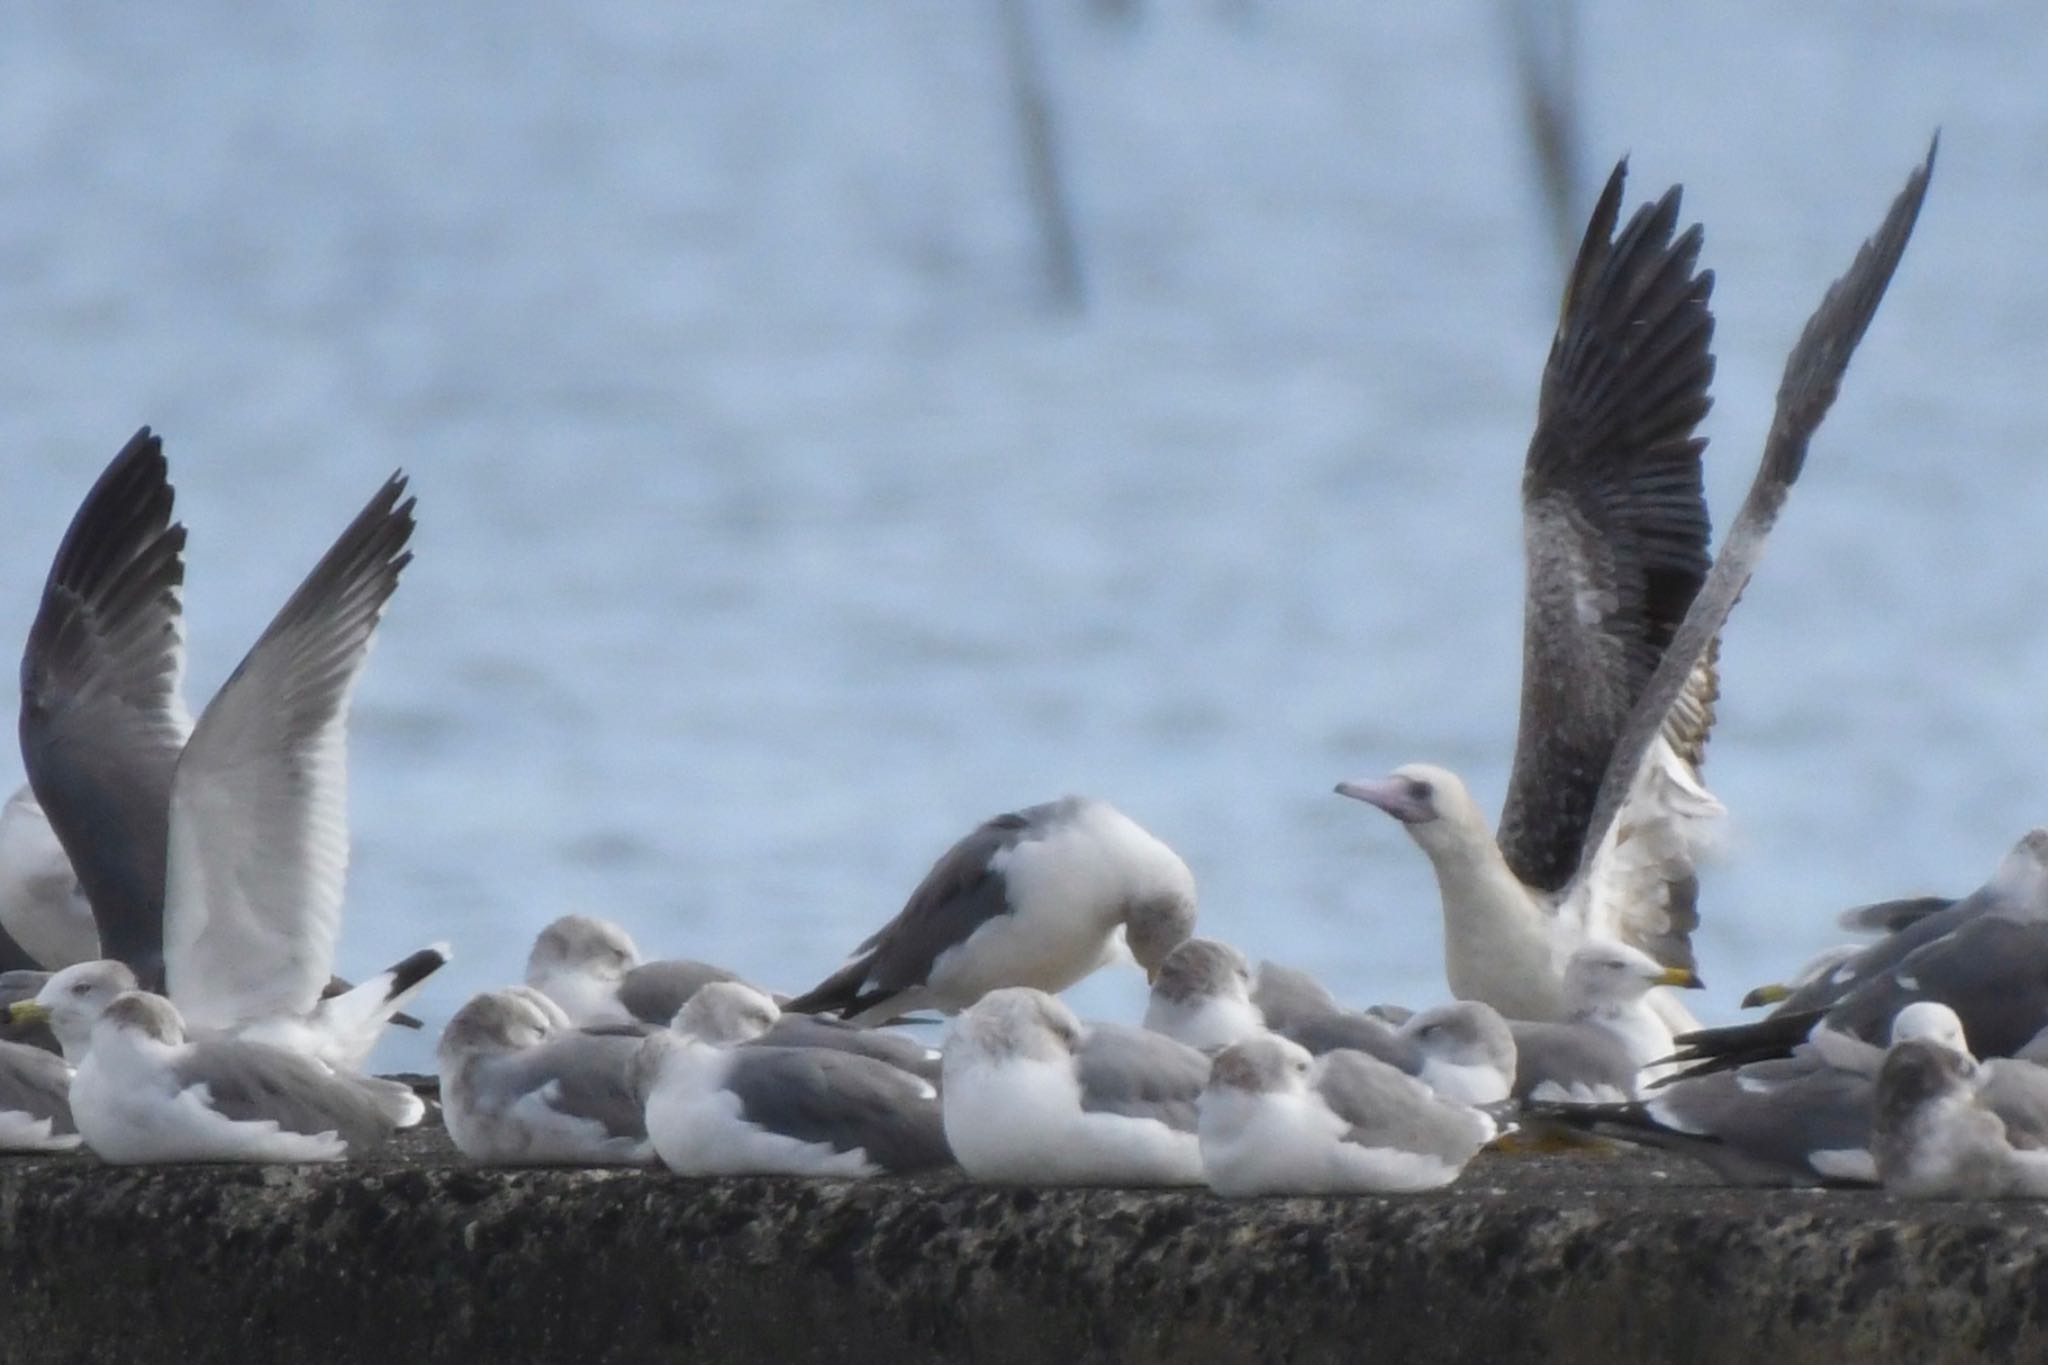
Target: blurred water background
(774, 529)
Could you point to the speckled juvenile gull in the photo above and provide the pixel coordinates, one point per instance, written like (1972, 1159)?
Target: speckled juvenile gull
(1622, 616)
(1032, 898)
(213, 855)
(519, 1087)
(1033, 1096)
(717, 1109)
(42, 907)
(593, 969)
(35, 1101)
(1937, 1137)
(1275, 1120)
(1202, 996)
(145, 1094)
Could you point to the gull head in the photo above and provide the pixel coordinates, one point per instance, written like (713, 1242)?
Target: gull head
(1606, 974)
(1016, 1022)
(493, 1022)
(582, 944)
(1265, 1065)
(1930, 1021)
(138, 1015)
(1202, 969)
(73, 1000)
(726, 1014)
(1157, 922)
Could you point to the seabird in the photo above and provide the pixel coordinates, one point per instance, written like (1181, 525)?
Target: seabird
(213, 855)
(714, 1108)
(1610, 1033)
(42, 907)
(1464, 1051)
(520, 1087)
(35, 1101)
(1275, 1120)
(1622, 615)
(1033, 898)
(1202, 996)
(144, 1094)
(1937, 1137)
(592, 968)
(71, 1002)
(1298, 1007)
(1033, 1096)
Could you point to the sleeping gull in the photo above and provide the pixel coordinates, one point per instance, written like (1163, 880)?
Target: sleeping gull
(520, 1087)
(216, 853)
(1033, 1096)
(145, 1094)
(41, 905)
(714, 1108)
(35, 1102)
(1032, 898)
(1202, 996)
(1275, 1120)
(1622, 617)
(592, 968)
(1463, 1051)
(1297, 1006)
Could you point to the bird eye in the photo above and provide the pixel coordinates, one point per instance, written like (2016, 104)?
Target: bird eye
(1418, 790)
(81, 988)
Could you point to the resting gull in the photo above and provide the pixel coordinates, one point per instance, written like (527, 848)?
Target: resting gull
(1032, 898)
(1622, 616)
(592, 968)
(214, 854)
(1033, 1096)
(145, 1094)
(1202, 996)
(521, 1088)
(1937, 1137)
(1275, 1120)
(1298, 1007)
(35, 1101)
(714, 1108)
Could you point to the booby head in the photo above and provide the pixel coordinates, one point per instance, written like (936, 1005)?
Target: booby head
(1016, 1022)
(1265, 1065)
(1430, 802)
(493, 1022)
(579, 961)
(726, 1014)
(1467, 1051)
(1607, 975)
(1930, 1021)
(138, 1015)
(73, 1000)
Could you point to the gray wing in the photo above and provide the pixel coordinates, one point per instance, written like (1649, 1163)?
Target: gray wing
(2017, 1092)
(1287, 994)
(898, 1050)
(13, 957)
(654, 991)
(1140, 1074)
(592, 1076)
(1889, 917)
(103, 717)
(1388, 1109)
(1614, 519)
(1813, 376)
(250, 1082)
(1578, 1059)
(844, 1100)
(1993, 972)
(1788, 1122)
(1826, 989)
(36, 1083)
(956, 897)
(1352, 1031)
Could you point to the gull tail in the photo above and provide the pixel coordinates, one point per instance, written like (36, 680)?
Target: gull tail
(355, 1019)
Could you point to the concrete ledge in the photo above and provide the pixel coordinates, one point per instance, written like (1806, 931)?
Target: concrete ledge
(419, 1257)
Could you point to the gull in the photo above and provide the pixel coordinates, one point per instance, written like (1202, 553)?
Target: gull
(145, 1094)
(213, 855)
(592, 968)
(1032, 898)
(1605, 813)
(1202, 996)
(1033, 1096)
(1275, 1120)
(1936, 1136)
(1298, 1007)
(714, 1108)
(35, 1101)
(521, 1087)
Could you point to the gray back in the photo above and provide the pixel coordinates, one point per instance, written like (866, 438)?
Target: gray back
(1140, 1074)
(843, 1100)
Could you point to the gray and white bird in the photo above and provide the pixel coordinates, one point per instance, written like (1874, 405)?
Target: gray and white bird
(146, 1094)
(1034, 1096)
(1605, 815)
(1033, 898)
(1464, 1051)
(1937, 1137)
(1301, 1009)
(1276, 1120)
(71, 1002)
(519, 1087)
(1202, 996)
(35, 1101)
(593, 969)
(714, 1107)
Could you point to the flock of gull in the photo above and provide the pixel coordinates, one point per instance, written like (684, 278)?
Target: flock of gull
(171, 894)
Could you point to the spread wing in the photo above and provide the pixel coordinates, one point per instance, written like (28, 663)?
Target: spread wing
(102, 710)
(1614, 519)
(259, 818)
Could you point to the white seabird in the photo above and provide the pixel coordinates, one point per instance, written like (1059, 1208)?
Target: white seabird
(144, 1094)
(213, 855)
(35, 1101)
(519, 1087)
(1202, 996)
(1605, 811)
(1937, 1138)
(1033, 898)
(593, 969)
(1033, 1096)
(1275, 1120)
(1464, 1051)
(718, 1109)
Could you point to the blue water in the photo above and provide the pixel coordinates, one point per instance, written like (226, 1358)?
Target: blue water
(773, 531)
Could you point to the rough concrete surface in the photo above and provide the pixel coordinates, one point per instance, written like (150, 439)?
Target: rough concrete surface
(417, 1256)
